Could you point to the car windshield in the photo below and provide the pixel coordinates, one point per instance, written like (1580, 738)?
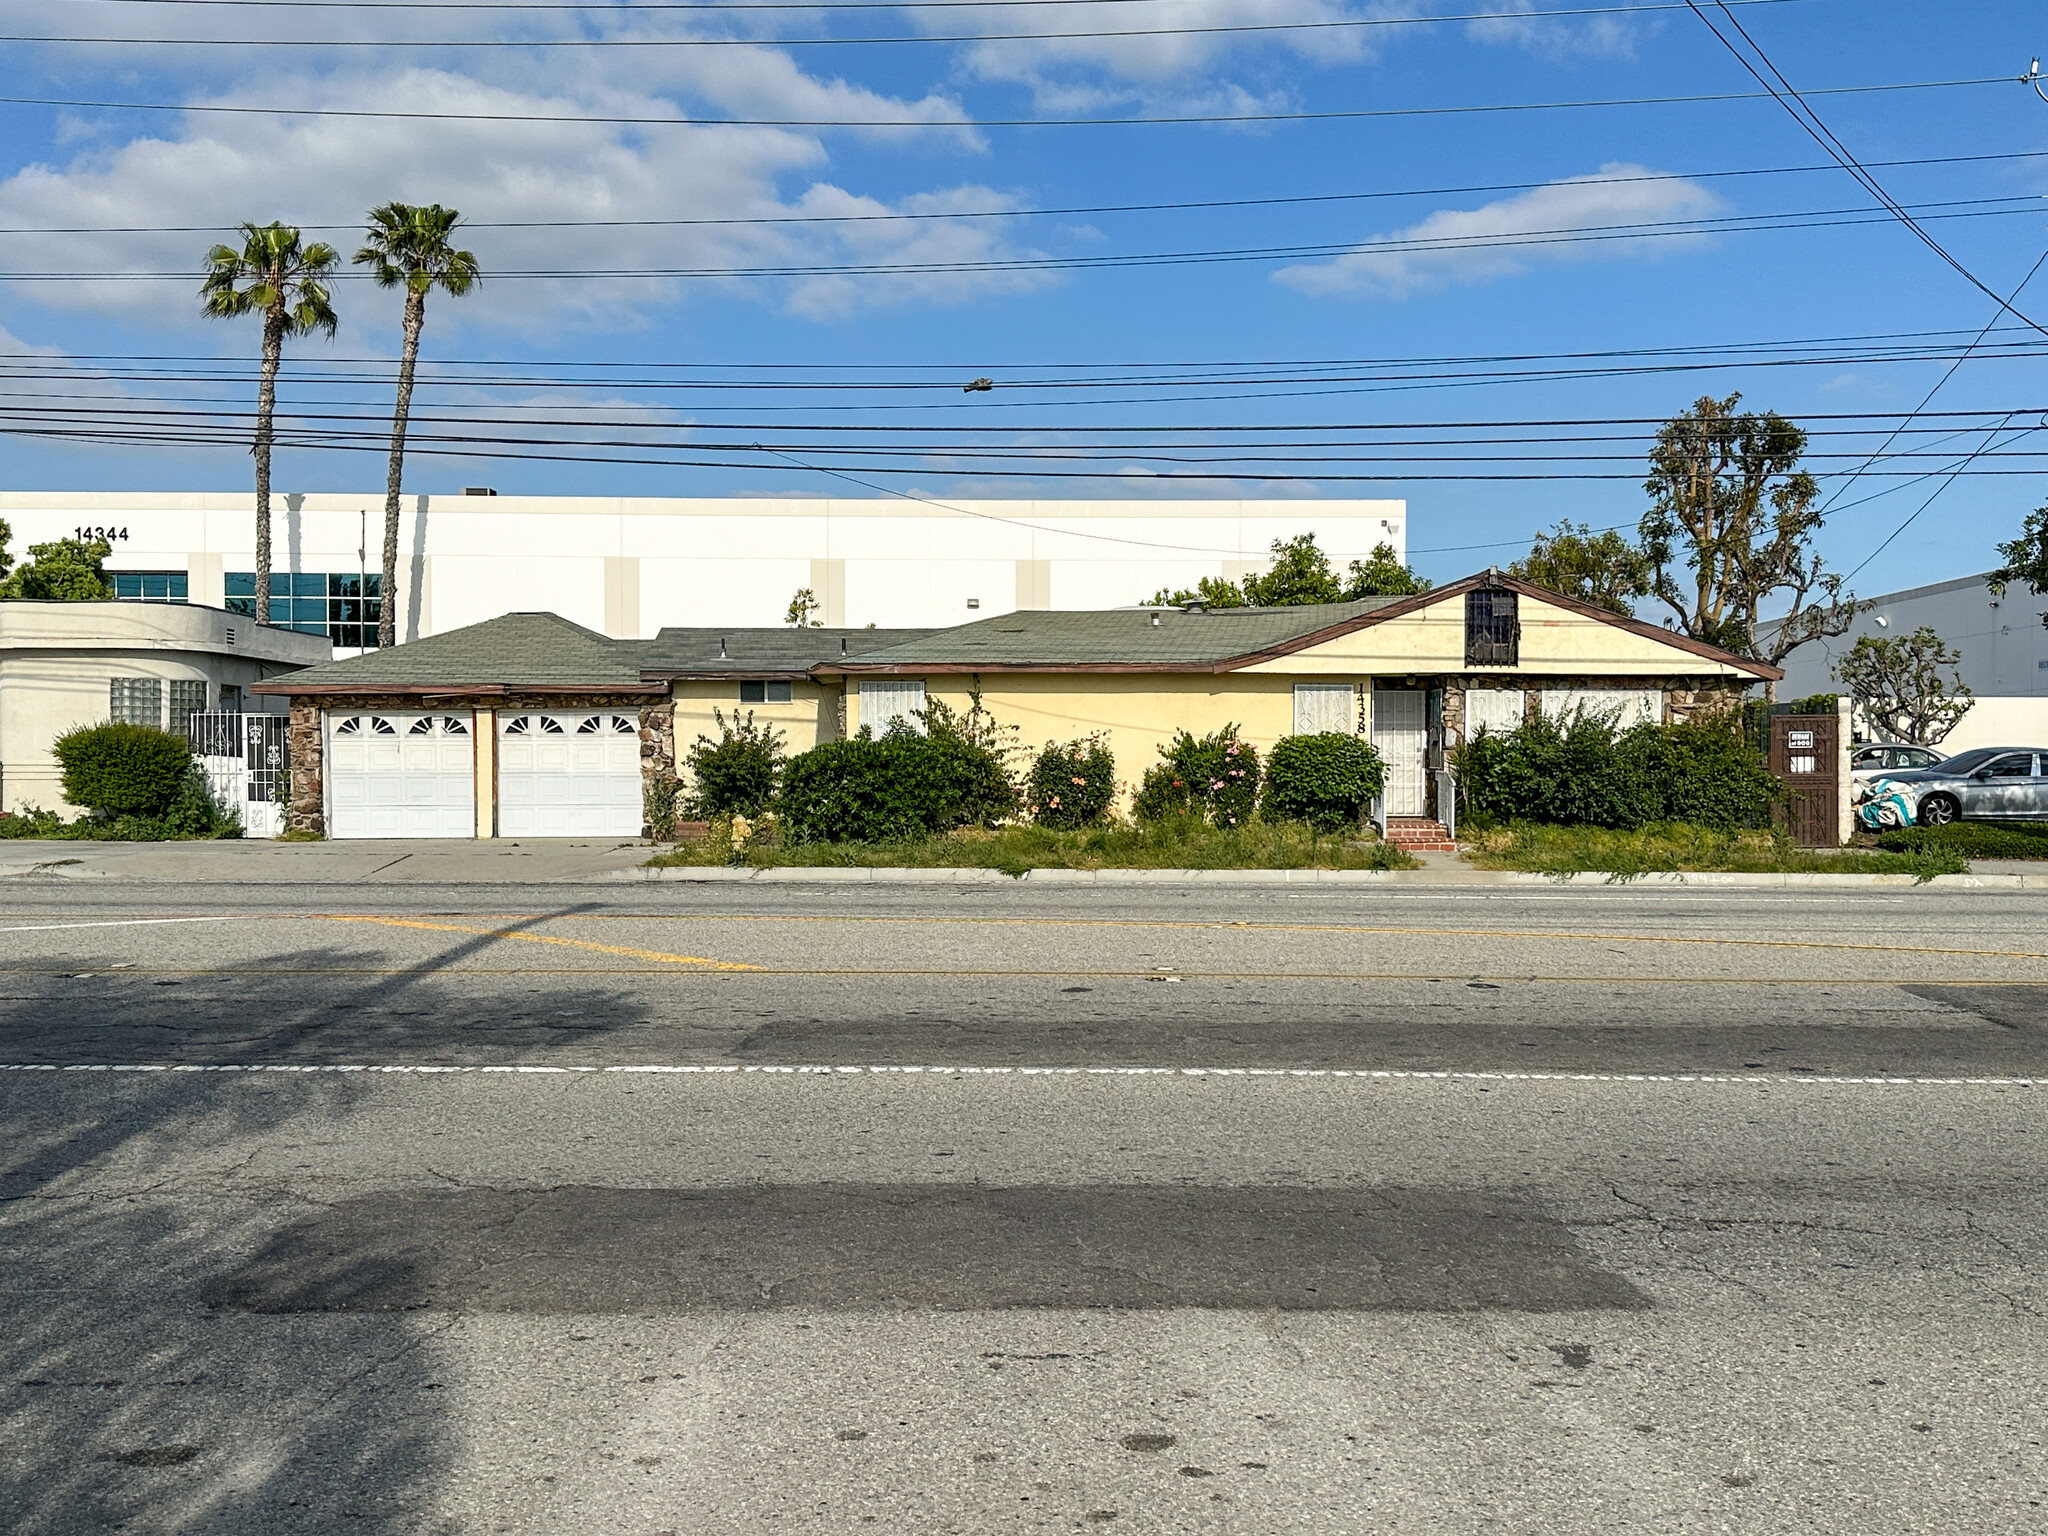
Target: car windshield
(1963, 762)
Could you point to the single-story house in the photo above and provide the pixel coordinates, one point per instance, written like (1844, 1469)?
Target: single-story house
(529, 725)
(70, 664)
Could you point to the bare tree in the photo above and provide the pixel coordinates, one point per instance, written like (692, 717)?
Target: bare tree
(1730, 528)
(1899, 684)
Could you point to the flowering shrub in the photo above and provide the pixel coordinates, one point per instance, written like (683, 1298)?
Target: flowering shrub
(976, 754)
(1326, 780)
(1215, 777)
(1072, 783)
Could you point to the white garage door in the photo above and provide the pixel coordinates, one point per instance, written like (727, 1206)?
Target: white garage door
(569, 775)
(400, 773)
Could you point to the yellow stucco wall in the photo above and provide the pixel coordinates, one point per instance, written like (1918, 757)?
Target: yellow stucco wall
(1137, 712)
(1555, 641)
(810, 716)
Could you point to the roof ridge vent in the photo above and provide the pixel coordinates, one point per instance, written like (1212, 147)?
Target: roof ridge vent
(1197, 606)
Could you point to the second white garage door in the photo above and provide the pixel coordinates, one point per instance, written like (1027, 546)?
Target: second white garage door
(569, 775)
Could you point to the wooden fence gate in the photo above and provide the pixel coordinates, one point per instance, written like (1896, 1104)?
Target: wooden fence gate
(1803, 756)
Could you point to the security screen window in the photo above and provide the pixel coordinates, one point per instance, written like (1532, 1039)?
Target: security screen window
(764, 693)
(332, 603)
(1493, 633)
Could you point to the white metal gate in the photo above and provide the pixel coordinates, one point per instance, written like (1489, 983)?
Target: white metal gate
(246, 762)
(569, 775)
(1400, 729)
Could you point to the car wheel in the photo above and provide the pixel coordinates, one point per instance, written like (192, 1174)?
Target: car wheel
(1937, 811)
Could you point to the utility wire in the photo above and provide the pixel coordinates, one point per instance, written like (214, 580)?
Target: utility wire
(1841, 218)
(1794, 103)
(958, 124)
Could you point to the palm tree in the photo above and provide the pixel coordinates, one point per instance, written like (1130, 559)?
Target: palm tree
(409, 246)
(278, 276)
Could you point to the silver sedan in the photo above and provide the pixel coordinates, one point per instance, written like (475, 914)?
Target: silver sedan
(1983, 784)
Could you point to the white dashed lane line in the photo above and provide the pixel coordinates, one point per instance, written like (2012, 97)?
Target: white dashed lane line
(126, 922)
(1356, 1073)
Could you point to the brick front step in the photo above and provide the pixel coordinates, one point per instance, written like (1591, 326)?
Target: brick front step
(1419, 834)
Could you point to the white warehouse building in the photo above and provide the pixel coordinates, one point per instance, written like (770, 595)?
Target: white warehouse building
(629, 566)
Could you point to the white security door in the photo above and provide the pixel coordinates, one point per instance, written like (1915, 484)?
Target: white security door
(1400, 729)
(569, 775)
(399, 773)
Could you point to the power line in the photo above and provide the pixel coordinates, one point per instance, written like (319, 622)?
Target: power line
(1034, 213)
(1794, 103)
(957, 124)
(1595, 234)
(1338, 24)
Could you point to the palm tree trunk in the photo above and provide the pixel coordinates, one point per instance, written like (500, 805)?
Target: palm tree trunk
(266, 406)
(387, 612)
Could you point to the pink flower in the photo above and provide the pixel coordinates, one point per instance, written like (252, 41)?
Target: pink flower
(1081, 781)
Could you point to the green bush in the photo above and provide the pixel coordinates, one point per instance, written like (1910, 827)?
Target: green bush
(194, 812)
(866, 791)
(1327, 780)
(1072, 784)
(1972, 839)
(736, 774)
(122, 769)
(1583, 771)
(974, 754)
(1215, 777)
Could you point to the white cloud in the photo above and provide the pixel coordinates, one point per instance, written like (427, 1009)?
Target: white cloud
(321, 172)
(1556, 37)
(1448, 247)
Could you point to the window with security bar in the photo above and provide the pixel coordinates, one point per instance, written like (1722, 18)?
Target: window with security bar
(1493, 629)
(135, 700)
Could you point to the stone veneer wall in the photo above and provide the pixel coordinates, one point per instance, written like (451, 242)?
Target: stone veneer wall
(1684, 697)
(308, 810)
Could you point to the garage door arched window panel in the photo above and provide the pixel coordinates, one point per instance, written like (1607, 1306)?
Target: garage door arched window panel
(884, 701)
(568, 775)
(402, 773)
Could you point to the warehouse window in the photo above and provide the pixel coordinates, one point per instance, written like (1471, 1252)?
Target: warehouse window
(764, 693)
(135, 700)
(1493, 630)
(149, 586)
(341, 605)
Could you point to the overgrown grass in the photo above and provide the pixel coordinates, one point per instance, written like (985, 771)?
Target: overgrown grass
(1972, 839)
(1681, 846)
(1015, 850)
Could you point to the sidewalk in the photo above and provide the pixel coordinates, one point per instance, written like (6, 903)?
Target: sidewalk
(457, 861)
(543, 861)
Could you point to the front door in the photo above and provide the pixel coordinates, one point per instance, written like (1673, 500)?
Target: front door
(1400, 730)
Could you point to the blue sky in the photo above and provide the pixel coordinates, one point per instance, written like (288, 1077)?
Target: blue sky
(1655, 258)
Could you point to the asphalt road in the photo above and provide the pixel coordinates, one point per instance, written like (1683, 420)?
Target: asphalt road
(665, 1209)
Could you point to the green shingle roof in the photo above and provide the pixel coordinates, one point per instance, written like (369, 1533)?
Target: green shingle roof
(1115, 637)
(750, 652)
(517, 650)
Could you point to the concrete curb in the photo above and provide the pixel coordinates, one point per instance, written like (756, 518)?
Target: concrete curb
(1360, 877)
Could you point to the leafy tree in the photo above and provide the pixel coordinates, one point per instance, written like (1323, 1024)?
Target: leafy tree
(6, 560)
(1731, 527)
(1900, 685)
(803, 610)
(68, 571)
(2026, 558)
(278, 276)
(408, 247)
(1383, 576)
(1603, 568)
(1301, 573)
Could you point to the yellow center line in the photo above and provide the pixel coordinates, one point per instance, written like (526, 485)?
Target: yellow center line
(542, 938)
(1105, 922)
